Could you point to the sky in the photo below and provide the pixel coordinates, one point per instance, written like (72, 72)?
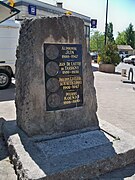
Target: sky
(120, 12)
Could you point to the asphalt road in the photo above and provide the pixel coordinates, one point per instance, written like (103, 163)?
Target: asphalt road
(7, 103)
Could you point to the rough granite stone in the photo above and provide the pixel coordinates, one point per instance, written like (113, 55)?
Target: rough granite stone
(30, 99)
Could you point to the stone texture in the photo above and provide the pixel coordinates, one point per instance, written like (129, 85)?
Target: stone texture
(7, 171)
(76, 157)
(32, 116)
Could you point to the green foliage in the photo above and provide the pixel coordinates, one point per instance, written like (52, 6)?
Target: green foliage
(96, 41)
(121, 38)
(109, 33)
(126, 37)
(130, 36)
(109, 54)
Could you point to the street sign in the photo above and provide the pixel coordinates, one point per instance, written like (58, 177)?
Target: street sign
(7, 11)
(32, 9)
(93, 23)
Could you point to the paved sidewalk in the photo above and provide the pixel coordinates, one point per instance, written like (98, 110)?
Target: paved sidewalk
(116, 101)
(6, 168)
(116, 105)
(7, 111)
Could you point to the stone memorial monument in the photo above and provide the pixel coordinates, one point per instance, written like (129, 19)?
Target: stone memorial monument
(57, 135)
(55, 92)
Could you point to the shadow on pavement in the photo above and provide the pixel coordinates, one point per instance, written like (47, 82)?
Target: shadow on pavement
(3, 149)
(8, 94)
(117, 73)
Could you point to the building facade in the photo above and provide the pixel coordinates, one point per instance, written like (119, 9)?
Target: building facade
(34, 8)
(125, 50)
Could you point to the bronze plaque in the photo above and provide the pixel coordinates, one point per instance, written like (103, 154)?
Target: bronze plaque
(63, 76)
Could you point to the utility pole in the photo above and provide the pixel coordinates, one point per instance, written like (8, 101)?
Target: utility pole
(106, 21)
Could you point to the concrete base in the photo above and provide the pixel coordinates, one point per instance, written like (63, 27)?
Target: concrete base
(73, 157)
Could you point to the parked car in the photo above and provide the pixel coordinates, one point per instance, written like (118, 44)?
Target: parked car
(9, 34)
(130, 60)
(123, 55)
(94, 56)
(133, 61)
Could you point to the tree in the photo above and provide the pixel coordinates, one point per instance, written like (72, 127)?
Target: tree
(130, 36)
(109, 54)
(109, 33)
(121, 38)
(96, 41)
(126, 37)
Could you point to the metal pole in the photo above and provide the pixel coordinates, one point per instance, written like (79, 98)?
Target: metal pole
(106, 20)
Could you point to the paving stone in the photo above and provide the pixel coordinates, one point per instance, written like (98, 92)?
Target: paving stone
(6, 168)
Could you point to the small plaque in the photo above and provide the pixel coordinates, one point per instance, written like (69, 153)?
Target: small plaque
(52, 84)
(52, 68)
(52, 52)
(53, 100)
(63, 76)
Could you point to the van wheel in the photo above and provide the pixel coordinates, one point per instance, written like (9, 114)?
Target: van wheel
(5, 79)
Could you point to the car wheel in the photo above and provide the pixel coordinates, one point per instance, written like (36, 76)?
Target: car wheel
(5, 79)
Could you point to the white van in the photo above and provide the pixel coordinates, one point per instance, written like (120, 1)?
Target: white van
(9, 35)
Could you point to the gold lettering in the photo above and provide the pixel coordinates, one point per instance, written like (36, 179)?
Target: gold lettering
(69, 52)
(61, 64)
(71, 93)
(69, 48)
(74, 56)
(75, 86)
(71, 97)
(71, 67)
(67, 102)
(62, 69)
(66, 87)
(75, 72)
(76, 101)
(65, 56)
(65, 72)
(68, 63)
(75, 63)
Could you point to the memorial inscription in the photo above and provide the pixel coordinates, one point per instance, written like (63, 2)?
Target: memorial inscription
(58, 94)
(63, 76)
